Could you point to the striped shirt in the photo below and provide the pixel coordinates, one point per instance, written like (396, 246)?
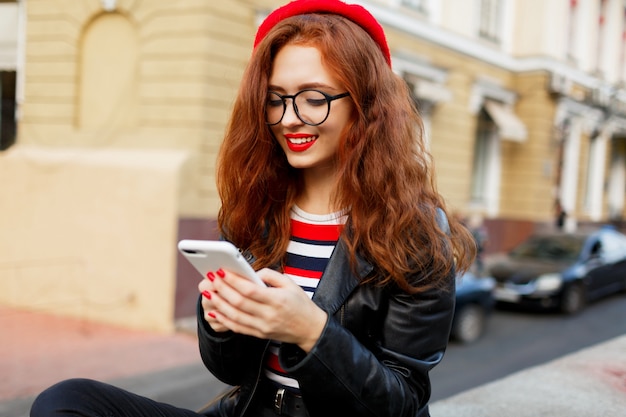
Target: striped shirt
(313, 240)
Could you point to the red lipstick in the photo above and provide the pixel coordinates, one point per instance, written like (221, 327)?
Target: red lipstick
(295, 141)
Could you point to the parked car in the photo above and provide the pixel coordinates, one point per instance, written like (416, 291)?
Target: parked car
(474, 305)
(561, 270)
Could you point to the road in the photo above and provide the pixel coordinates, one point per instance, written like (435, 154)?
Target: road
(516, 339)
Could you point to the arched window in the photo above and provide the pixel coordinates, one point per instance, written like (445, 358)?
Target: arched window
(107, 94)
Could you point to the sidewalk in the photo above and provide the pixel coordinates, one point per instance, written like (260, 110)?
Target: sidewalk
(38, 350)
(590, 383)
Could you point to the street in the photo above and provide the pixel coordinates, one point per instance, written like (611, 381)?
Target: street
(517, 339)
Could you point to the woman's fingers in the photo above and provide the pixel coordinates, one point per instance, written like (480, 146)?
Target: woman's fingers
(207, 289)
(281, 311)
(238, 302)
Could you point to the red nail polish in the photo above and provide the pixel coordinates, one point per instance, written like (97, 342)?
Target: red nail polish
(211, 314)
(206, 294)
(221, 273)
(210, 276)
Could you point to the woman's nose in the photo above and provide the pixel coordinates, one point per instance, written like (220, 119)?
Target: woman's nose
(290, 118)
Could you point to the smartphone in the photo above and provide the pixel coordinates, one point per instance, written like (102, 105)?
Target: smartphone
(211, 255)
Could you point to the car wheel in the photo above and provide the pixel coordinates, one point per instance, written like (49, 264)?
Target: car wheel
(469, 324)
(573, 299)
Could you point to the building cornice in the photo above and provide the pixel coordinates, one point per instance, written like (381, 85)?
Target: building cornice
(471, 48)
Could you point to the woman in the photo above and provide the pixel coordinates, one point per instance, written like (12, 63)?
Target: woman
(327, 188)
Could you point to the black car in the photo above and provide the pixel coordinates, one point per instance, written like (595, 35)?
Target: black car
(562, 270)
(474, 304)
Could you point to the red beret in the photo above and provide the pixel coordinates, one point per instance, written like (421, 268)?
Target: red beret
(353, 12)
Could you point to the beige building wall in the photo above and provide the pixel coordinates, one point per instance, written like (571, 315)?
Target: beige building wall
(453, 125)
(169, 70)
(529, 168)
(122, 116)
(452, 143)
(583, 170)
(89, 233)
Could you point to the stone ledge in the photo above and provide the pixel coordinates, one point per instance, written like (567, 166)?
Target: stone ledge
(590, 382)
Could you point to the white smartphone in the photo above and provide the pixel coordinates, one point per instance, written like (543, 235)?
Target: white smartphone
(211, 255)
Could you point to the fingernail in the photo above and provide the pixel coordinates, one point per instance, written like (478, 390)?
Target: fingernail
(206, 294)
(211, 314)
(210, 276)
(221, 273)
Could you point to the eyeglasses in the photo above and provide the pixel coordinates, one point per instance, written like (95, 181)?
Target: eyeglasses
(311, 106)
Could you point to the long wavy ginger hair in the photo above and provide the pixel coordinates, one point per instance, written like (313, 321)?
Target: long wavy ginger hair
(385, 177)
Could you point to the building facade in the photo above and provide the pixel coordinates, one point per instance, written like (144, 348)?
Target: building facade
(113, 112)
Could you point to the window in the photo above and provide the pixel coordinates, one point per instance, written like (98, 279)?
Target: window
(601, 35)
(613, 246)
(571, 32)
(427, 84)
(595, 177)
(7, 109)
(424, 108)
(8, 65)
(490, 20)
(486, 136)
(617, 179)
(622, 52)
(419, 5)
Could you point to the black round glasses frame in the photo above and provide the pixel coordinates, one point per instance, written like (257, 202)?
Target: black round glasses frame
(283, 97)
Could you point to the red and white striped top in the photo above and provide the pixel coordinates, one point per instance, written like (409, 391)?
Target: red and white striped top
(313, 240)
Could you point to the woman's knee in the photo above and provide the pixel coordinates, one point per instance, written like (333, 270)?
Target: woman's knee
(64, 398)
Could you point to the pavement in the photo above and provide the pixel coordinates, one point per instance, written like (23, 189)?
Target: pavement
(39, 349)
(590, 382)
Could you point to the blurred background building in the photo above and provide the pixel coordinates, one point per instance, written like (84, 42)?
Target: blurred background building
(113, 111)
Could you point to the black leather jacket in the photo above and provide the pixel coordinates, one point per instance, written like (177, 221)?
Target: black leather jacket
(372, 359)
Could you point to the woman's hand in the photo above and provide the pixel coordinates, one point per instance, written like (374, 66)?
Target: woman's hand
(207, 289)
(281, 311)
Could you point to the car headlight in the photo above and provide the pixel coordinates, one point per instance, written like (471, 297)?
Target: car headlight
(549, 282)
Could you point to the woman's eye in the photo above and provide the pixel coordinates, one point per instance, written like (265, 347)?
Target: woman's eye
(274, 103)
(316, 102)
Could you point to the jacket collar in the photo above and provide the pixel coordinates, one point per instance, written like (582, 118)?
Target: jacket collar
(338, 280)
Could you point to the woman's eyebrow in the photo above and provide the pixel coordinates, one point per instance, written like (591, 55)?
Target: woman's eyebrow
(313, 85)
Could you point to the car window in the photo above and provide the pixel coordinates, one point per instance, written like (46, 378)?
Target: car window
(596, 247)
(557, 247)
(613, 247)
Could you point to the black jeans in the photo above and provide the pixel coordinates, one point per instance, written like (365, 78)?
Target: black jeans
(87, 398)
